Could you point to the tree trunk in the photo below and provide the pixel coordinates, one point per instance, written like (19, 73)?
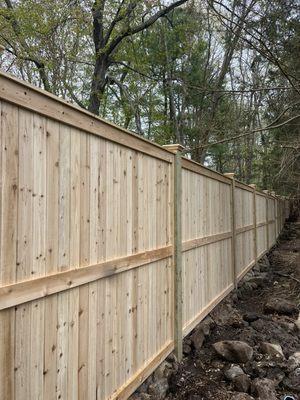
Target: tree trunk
(99, 81)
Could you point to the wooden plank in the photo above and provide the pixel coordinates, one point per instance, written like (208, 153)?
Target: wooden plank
(198, 242)
(260, 224)
(64, 229)
(200, 169)
(52, 217)
(24, 254)
(21, 292)
(42, 102)
(84, 255)
(8, 239)
(245, 229)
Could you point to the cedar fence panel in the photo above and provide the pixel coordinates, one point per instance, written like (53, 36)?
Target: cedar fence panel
(91, 279)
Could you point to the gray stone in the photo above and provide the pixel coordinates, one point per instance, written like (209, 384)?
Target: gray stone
(163, 371)
(264, 261)
(242, 383)
(197, 338)
(234, 350)
(159, 389)
(171, 358)
(206, 324)
(250, 317)
(294, 361)
(258, 325)
(233, 371)
(280, 306)
(273, 350)
(264, 389)
(186, 348)
(288, 326)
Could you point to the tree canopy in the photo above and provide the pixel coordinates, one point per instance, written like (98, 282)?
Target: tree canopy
(220, 77)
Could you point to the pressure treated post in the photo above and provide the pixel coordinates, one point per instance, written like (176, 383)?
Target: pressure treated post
(177, 248)
(254, 222)
(233, 227)
(275, 214)
(267, 217)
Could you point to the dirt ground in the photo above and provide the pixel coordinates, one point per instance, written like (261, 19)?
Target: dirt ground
(242, 316)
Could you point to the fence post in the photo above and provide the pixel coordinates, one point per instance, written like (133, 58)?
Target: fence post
(275, 214)
(254, 221)
(267, 217)
(177, 247)
(233, 227)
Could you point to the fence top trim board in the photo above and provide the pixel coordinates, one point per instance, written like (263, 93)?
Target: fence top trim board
(35, 99)
(202, 170)
(47, 104)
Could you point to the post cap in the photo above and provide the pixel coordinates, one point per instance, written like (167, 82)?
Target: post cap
(174, 148)
(230, 175)
(266, 191)
(2, 48)
(253, 185)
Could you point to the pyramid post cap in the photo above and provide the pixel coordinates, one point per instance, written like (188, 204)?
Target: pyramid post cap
(230, 175)
(174, 148)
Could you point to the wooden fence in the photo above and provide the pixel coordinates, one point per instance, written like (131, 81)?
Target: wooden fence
(104, 266)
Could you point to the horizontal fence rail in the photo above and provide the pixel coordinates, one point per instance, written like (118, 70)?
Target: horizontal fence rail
(112, 248)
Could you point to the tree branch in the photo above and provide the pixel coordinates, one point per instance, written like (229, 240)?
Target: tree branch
(144, 25)
(266, 128)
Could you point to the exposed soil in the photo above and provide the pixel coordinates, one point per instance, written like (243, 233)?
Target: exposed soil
(242, 316)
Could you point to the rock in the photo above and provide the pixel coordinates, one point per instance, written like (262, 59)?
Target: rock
(280, 306)
(242, 383)
(171, 358)
(257, 281)
(163, 371)
(264, 389)
(273, 350)
(197, 338)
(258, 325)
(292, 382)
(225, 314)
(276, 374)
(234, 350)
(144, 386)
(159, 389)
(256, 267)
(241, 396)
(186, 348)
(294, 361)
(206, 324)
(264, 261)
(233, 371)
(288, 326)
(250, 317)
